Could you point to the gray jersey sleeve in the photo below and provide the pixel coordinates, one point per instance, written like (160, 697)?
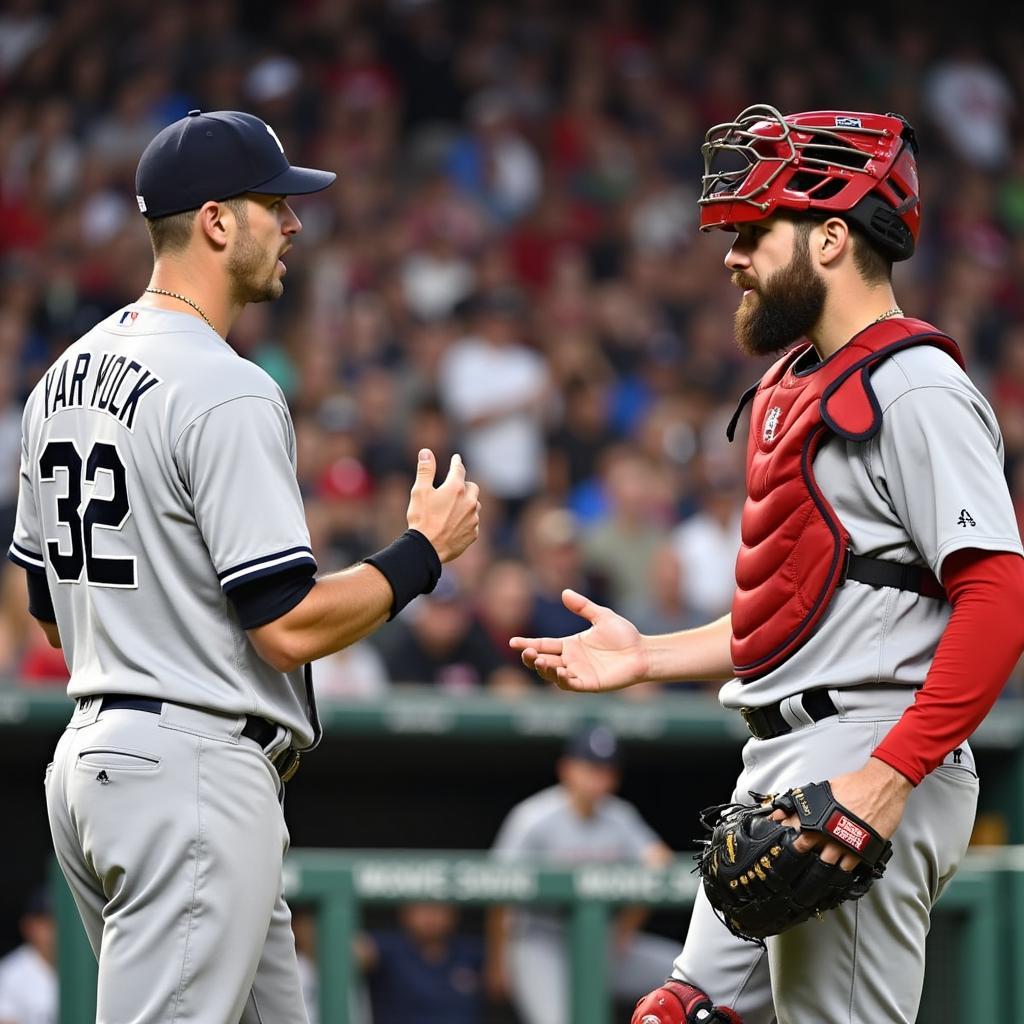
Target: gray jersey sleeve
(513, 839)
(28, 545)
(942, 461)
(237, 462)
(635, 832)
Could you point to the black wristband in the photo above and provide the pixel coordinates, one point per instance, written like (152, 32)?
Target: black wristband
(410, 565)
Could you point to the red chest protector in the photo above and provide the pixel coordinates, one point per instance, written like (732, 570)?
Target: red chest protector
(794, 550)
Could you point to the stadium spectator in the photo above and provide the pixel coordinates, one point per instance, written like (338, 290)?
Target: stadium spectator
(492, 150)
(424, 972)
(438, 641)
(495, 389)
(621, 543)
(28, 978)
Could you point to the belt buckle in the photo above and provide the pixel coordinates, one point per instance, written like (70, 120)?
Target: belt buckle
(288, 764)
(747, 714)
(844, 571)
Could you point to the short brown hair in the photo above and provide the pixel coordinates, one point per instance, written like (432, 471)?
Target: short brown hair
(171, 234)
(872, 264)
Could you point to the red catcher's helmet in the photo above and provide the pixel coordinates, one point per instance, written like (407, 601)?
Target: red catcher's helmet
(829, 162)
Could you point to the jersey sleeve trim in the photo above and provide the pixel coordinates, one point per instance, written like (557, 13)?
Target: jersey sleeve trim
(1004, 545)
(266, 565)
(26, 559)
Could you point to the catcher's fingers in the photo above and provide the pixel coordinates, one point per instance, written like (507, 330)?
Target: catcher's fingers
(532, 658)
(535, 663)
(836, 853)
(830, 852)
(540, 645)
(554, 670)
(804, 842)
(564, 679)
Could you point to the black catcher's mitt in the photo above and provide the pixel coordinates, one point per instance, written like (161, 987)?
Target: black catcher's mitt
(759, 885)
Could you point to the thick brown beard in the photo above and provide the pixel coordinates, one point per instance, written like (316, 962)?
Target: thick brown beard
(785, 310)
(250, 282)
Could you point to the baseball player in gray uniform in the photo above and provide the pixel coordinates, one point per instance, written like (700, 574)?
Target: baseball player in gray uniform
(878, 542)
(161, 527)
(578, 821)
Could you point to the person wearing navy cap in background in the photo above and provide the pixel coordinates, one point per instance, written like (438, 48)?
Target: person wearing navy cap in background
(579, 820)
(28, 979)
(163, 533)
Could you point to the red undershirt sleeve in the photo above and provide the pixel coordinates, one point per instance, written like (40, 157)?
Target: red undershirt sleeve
(980, 647)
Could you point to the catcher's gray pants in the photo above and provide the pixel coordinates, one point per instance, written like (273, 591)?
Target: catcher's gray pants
(863, 962)
(171, 835)
(539, 972)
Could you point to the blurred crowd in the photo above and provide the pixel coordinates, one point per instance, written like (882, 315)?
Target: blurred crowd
(508, 266)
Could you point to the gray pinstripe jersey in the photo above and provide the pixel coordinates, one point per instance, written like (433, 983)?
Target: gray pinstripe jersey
(158, 473)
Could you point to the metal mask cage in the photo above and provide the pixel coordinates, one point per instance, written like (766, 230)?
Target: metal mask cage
(737, 141)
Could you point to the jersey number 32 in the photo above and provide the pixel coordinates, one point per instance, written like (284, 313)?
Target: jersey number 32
(109, 513)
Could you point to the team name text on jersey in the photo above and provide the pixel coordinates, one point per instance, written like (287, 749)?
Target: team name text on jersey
(105, 381)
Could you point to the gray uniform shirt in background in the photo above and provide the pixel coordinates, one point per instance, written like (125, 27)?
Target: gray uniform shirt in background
(158, 473)
(929, 483)
(546, 828)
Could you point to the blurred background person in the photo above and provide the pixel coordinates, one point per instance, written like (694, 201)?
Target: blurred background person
(426, 971)
(550, 538)
(706, 543)
(28, 978)
(577, 821)
(438, 641)
(620, 544)
(495, 388)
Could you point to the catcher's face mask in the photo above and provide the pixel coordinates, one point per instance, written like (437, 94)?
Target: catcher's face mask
(857, 165)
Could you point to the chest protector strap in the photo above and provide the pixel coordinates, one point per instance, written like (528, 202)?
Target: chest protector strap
(795, 552)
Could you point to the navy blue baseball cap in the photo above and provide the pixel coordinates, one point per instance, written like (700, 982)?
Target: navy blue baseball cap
(594, 743)
(214, 156)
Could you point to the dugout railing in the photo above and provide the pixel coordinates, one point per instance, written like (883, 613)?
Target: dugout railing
(982, 910)
(668, 722)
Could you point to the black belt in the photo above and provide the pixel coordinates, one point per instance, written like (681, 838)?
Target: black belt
(255, 728)
(766, 723)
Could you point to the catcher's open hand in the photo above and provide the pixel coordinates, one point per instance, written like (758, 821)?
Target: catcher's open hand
(608, 656)
(760, 878)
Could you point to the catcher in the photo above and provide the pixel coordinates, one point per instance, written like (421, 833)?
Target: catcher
(879, 542)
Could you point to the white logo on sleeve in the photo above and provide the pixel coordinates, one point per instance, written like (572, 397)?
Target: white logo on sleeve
(273, 135)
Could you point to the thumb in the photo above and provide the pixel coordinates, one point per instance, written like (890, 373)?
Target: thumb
(425, 469)
(581, 605)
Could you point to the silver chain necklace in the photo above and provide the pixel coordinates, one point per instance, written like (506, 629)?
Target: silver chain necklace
(186, 300)
(895, 311)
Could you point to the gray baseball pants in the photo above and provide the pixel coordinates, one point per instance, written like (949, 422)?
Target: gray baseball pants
(863, 962)
(171, 834)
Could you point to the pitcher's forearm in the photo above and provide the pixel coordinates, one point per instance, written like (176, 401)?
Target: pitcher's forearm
(340, 609)
(691, 654)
